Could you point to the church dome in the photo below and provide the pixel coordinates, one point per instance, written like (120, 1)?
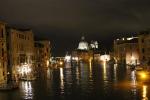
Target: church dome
(83, 45)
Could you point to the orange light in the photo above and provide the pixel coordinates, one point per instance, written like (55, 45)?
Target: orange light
(60, 62)
(143, 75)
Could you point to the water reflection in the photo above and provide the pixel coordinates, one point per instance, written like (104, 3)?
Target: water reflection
(90, 69)
(27, 90)
(61, 80)
(104, 71)
(144, 94)
(115, 73)
(49, 73)
(77, 75)
(83, 82)
(133, 78)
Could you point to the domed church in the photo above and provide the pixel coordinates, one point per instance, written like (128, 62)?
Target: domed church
(85, 50)
(83, 45)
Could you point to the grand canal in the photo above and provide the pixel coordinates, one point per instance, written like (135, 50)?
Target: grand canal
(82, 82)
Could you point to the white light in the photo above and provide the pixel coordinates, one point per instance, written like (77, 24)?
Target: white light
(105, 57)
(129, 38)
(24, 69)
(47, 62)
(75, 58)
(61, 63)
(67, 58)
(83, 46)
(133, 60)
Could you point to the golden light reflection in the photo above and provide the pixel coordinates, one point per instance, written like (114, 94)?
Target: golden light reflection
(90, 68)
(115, 73)
(49, 73)
(144, 93)
(61, 80)
(77, 75)
(104, 70)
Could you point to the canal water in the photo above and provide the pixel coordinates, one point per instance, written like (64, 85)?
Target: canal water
(82, 82)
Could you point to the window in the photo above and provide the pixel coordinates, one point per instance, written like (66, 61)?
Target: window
(142, 40)
(2, 33)
(3, 65)
(143, 50)
(2, 52)
(143, 57)
(47, 49)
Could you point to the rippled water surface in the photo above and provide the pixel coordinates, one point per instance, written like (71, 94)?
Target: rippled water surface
(82, 82)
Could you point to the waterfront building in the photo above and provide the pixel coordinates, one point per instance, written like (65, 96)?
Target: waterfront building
(39, 53)
(144, 47)
(126, 50)
(20, 44)
(3, 53)
(43, 53)
(85, 51)
(83, 45)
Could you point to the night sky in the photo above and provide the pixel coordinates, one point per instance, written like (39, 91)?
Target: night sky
(64, 21)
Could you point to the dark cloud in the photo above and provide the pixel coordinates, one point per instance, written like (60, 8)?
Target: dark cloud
(66, 20)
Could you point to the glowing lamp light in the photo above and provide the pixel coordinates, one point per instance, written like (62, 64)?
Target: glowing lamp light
(143, 75)
(67, 58)
(24, 69)
(132, 58)
(105, 57)
(47, 62)
(61, 63)
(75, 58)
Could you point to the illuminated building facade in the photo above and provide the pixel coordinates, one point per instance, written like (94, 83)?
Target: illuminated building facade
(144, 45)
(126, 50)
(39, 54)
(21, 52)
(3, 53)
(83, 45)
(85, 51)
(43, 54)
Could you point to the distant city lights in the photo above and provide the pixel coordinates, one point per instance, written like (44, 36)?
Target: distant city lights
(105, 57)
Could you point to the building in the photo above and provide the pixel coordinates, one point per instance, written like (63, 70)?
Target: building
(3, 53)
(39, 53)
(126, 50)
(86, 51)
(144, 47)
(43, 54)
(21, 52)
(83, 45)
